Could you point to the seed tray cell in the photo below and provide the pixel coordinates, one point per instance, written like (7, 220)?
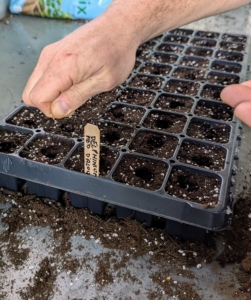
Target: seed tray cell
(174, 103)
(168, 143)
(197, 51)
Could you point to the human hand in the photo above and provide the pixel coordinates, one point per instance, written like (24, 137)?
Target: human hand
(93, 59)
(239, 97)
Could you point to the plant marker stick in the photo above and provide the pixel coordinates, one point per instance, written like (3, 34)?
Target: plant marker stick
(91, 149)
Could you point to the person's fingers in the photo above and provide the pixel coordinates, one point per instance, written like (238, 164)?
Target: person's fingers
(239, 97)
(247, 83)
(41, 67)
(71, 99)
(235, 94)
(243, 112)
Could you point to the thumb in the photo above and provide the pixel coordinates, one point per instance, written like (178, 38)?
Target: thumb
(68, 101)
(239, 97)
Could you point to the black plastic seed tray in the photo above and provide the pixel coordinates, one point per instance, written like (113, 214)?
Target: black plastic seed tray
(169, 144)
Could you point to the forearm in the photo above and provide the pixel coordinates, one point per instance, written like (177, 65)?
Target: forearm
(149, 18)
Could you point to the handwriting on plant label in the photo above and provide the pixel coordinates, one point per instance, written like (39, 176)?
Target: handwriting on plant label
(91, 149)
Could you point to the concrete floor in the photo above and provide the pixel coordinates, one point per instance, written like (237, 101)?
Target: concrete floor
(20, 44)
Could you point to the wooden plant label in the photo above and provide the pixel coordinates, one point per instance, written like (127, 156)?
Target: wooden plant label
(92, 149)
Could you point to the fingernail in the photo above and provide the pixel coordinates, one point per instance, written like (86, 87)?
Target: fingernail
(61, 108)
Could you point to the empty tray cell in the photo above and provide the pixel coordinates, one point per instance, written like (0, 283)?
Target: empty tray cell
(189, 73)
(209, 131)
(124, 114)
(149, 45)
(163, 58)
(154, 144)
(232, 46)
(164, 47)
(234, 38)
(182, 87)
(207, 34)
(177, 39)
(179, 31)
(107, 159)
(203, 42)
(196, 51)
(217, 111)
(192, 185)
(28, 117)
(176, 103)
(140, 172)
(136, 96)
(146, 82)
(164, 121)
(196, 62)
(155, 69)
(47, 149)
(211, 92)
(202, 155)
(222, 78)
(142, 54)
(224, 66)
(114, 135)
(11, 141)
(232, 56)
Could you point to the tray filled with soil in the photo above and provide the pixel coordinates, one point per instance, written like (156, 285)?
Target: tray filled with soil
(168, 145)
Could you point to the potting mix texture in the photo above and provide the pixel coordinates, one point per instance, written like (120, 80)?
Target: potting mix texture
(169, 144)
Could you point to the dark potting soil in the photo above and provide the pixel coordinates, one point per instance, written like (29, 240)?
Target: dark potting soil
(215, 132)
(114, 135)
(66, 221)
(202, 155)
(182, 87)
(142, 54)
(195, 62)
(12, 141)
(154, 144)
(174, 103)
(194, 186)
(147, 45)
(146, 82)
(226, 67)
(182, 31)
(155, 69)
(165, 47)
(107, 160)
(164, 58)
(234, 38)
(138, 97)
(140, 172)
(217, 111)
(207, 34)
(211, 92)
(189, 73)
(223, 79)
(124, 114)
(176, 39)
(232, 46)
(203, 42)
(195, 51)
(231, 56)
(172, 123)
(47, 149)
